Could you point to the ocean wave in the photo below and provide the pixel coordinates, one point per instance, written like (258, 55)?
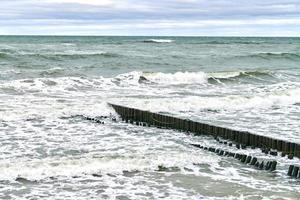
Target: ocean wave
(78, 55)
(118, 165)
(229, 103)
(177, 78)
(52, 85)
(269, 56)
(232, 76)
(130, 79)
(62, 55)
(10, 72)
(201, 77)
(229, 42)
(259, 101)
(52, 71)
(158, 41)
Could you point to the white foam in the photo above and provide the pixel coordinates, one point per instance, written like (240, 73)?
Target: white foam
(160, 40)
(178, 77)
(131, 78)
(263, 100)
(48, 167)
(30, 107)
(224, 74)
(8, 73)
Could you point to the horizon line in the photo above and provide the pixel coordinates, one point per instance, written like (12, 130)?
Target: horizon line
(58, 35)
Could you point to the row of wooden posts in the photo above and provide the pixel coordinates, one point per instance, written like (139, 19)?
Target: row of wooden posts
(294, 171)
(247, 159)
(198, 128)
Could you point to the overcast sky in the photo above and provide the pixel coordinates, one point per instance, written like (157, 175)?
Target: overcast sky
(152, 17)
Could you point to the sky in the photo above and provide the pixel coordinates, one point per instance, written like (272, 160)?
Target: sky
(152, 17)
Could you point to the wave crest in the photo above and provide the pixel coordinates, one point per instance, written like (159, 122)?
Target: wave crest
(61, 55)
(134, 78)
(269, 56)
(201, 77)
(158, 41)
(231, 76)
(177, 78)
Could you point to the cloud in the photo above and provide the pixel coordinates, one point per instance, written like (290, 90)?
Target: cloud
(168, 17)
(86, 2)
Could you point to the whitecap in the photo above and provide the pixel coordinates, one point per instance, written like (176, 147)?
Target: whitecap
(178, 77)
(159, 41)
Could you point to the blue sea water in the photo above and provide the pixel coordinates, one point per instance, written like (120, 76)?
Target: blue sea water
(49, 84)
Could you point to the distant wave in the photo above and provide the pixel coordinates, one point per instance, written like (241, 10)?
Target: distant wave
(54, 56)
(52, 71)
(230, 42)
(231, 76)
(79, 54)
(269, 56)
(158, 41)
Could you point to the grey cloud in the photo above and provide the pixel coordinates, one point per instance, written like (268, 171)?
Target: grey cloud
(123, 15)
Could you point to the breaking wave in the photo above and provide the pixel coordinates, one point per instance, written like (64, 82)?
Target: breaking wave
(158, 41)
(53, 71)
(202, 77)
(239, 102)
(177, 78)
(54, 80)
(134, 78)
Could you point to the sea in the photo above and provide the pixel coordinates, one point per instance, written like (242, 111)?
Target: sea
(51, 85)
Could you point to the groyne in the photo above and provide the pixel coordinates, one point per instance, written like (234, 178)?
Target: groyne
(243, 138)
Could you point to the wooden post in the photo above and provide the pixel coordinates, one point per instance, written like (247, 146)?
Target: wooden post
(243, 158)
(291, 168)
(248, 159)
(292, 147)
(286, 147)
(273, 166)
(253, 161)
(295, 171)
(280, 145)
(297, 150)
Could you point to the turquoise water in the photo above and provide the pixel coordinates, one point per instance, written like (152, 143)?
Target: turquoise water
(48, 85)
(110, 56)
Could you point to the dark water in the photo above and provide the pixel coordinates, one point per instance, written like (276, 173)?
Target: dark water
(48, 85)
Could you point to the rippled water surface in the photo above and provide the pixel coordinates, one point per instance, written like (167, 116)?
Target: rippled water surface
(50, 85)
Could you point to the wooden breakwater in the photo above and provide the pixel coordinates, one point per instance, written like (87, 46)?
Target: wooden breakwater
(247, 159)
(241, 137)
